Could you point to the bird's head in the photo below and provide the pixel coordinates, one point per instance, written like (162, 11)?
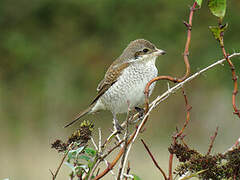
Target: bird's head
(140, 50)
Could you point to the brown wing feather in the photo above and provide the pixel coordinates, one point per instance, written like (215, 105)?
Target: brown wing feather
(111, 76)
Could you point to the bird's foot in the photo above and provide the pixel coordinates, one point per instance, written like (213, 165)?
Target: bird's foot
(117, 126)
(140, 112)
(140, 115)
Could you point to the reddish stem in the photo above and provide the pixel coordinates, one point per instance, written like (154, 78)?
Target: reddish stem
(212, 141)
(153, 159)
(234, 77)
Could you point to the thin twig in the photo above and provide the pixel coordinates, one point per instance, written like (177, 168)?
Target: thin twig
(61, 163)
(124, 156)
(234, 77)
(111, 150)
(170, 166)
(111, 171)
(179, 134)
(113, 134)
(128, 170)
(188, 109)
(212, 141)
(100, 140)
(233, 146)
(166, 94)
(94, 144)
(94, 168)
(153, 159)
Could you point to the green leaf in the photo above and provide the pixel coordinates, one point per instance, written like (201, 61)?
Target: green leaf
(199, 2)
(217, 7)
(216, 30)
(91, 152)
(136, 177)
(84, 157)
(194, 175)
(70, 166)
(74, 153)
(79, 150)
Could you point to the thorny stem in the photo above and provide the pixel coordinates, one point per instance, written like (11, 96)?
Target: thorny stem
(153, 159)
(188, 108)
(234, 77)
(212, 141)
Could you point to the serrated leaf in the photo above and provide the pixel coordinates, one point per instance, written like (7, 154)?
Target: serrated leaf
(91, 152)
(217, 7)
(135, 177)
(199, 2)
(216, 30)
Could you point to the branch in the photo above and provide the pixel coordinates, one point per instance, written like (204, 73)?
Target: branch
(212, 141)
(154, 161)
(231, 65)
(185, 56)
(233, 146)
(54, 176)
(126, 149)
(172, 90)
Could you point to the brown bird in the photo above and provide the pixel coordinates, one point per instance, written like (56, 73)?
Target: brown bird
(124, 82)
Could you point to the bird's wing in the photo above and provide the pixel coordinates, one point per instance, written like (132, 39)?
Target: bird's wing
(111, 76)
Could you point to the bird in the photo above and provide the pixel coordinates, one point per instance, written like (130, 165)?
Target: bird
(123, 85)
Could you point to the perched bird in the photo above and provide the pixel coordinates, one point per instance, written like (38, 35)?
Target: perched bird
(124, 82)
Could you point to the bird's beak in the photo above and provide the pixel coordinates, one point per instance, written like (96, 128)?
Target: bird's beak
(159, 52)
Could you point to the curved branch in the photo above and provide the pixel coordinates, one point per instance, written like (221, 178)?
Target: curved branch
(185, 57)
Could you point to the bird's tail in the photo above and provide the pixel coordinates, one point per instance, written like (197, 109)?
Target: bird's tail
(80, 115)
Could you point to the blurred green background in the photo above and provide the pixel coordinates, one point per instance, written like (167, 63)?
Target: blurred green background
(54, 53)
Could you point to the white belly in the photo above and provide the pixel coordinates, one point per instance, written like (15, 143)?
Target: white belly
(129, 88)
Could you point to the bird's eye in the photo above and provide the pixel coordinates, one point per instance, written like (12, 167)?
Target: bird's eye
(145, 50)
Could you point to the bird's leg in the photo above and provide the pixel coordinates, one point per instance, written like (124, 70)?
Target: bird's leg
(140, 111)
(140, 115)
(117, 127)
